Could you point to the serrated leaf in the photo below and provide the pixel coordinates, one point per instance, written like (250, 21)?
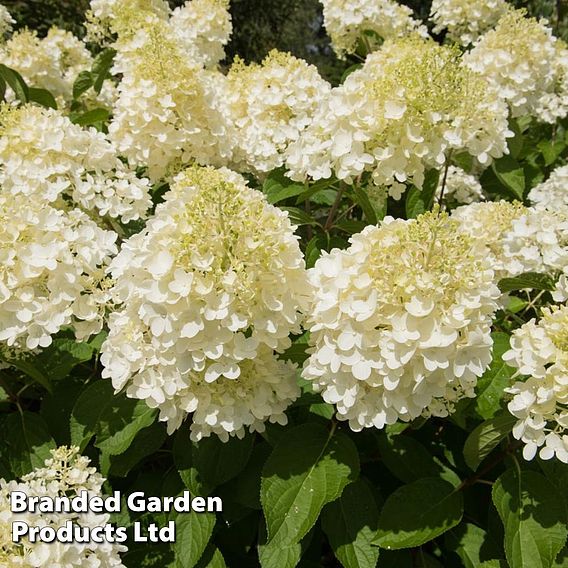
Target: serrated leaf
(193, 532)
(26, 442)
(277, 193)
(350, 226)
(419, 512)
(212, 558)
(30, 368)
(42, 97)
(490, 387)
(59, 359)
(82, 84)
(296, 485)
(113, 419)
(533, 513)
(146, 442)
(56, 409)
(551, 150)
(486, 437)
(16, 83)
(511, 175)
(101, 67)
(91, 117)
(409, 460)
(364, 202)
(299, 216)
(419, 201)
(468, 541)
(350, 523)
(210, 463)
(528, 280)
(279, 556)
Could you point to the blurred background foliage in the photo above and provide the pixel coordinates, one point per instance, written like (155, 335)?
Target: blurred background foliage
(261, 25)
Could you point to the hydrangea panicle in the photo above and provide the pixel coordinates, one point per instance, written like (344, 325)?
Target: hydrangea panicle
(65, 474)
(525, 65)
(52, 271)
(519, 239)
(270, 105)
(405, 110)
(207, 291)
(540, 402)
(43, 154)
(401, 321)
(346, 20)
(466, 20)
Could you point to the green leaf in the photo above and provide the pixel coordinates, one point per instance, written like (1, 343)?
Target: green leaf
(210, 463)
(59, 359)
(551, 150)
(146, 442)
(511, 175)
(16, 83)
(364, 202)
(245, 488)
(212, 558)
(299, 216)
(193, 532)
(82, 84)
(533, 513)
(490, 387)
(350, 523)
(486, 437)
(56, 408)
(31, 369)
(409, 460)
(530, 280)
(26, 442)
(285, 192)
(42, 97)
(515, 144)
(91, 117)
(419, 512)
(297, 484)
(273, 555)
(419, 201)
(113, 419)
(468, 541)
(101, 68)
(351, 226)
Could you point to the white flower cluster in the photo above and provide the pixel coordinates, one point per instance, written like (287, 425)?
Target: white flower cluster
(526, 66)
(347, 20)
(270, 105)
(107, 18)
(51, 63)
(209, 289)
(204, 28)
(401, 321)
(552, 193)
(168, 111)
(6, 22)
(52, 271)
(66, 474)
(466, 20)
(540, 402)
(44, 156)
(404, 111)
(518, 238)
(460, 188)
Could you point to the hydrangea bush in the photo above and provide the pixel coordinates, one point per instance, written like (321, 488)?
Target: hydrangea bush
(341, 308)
